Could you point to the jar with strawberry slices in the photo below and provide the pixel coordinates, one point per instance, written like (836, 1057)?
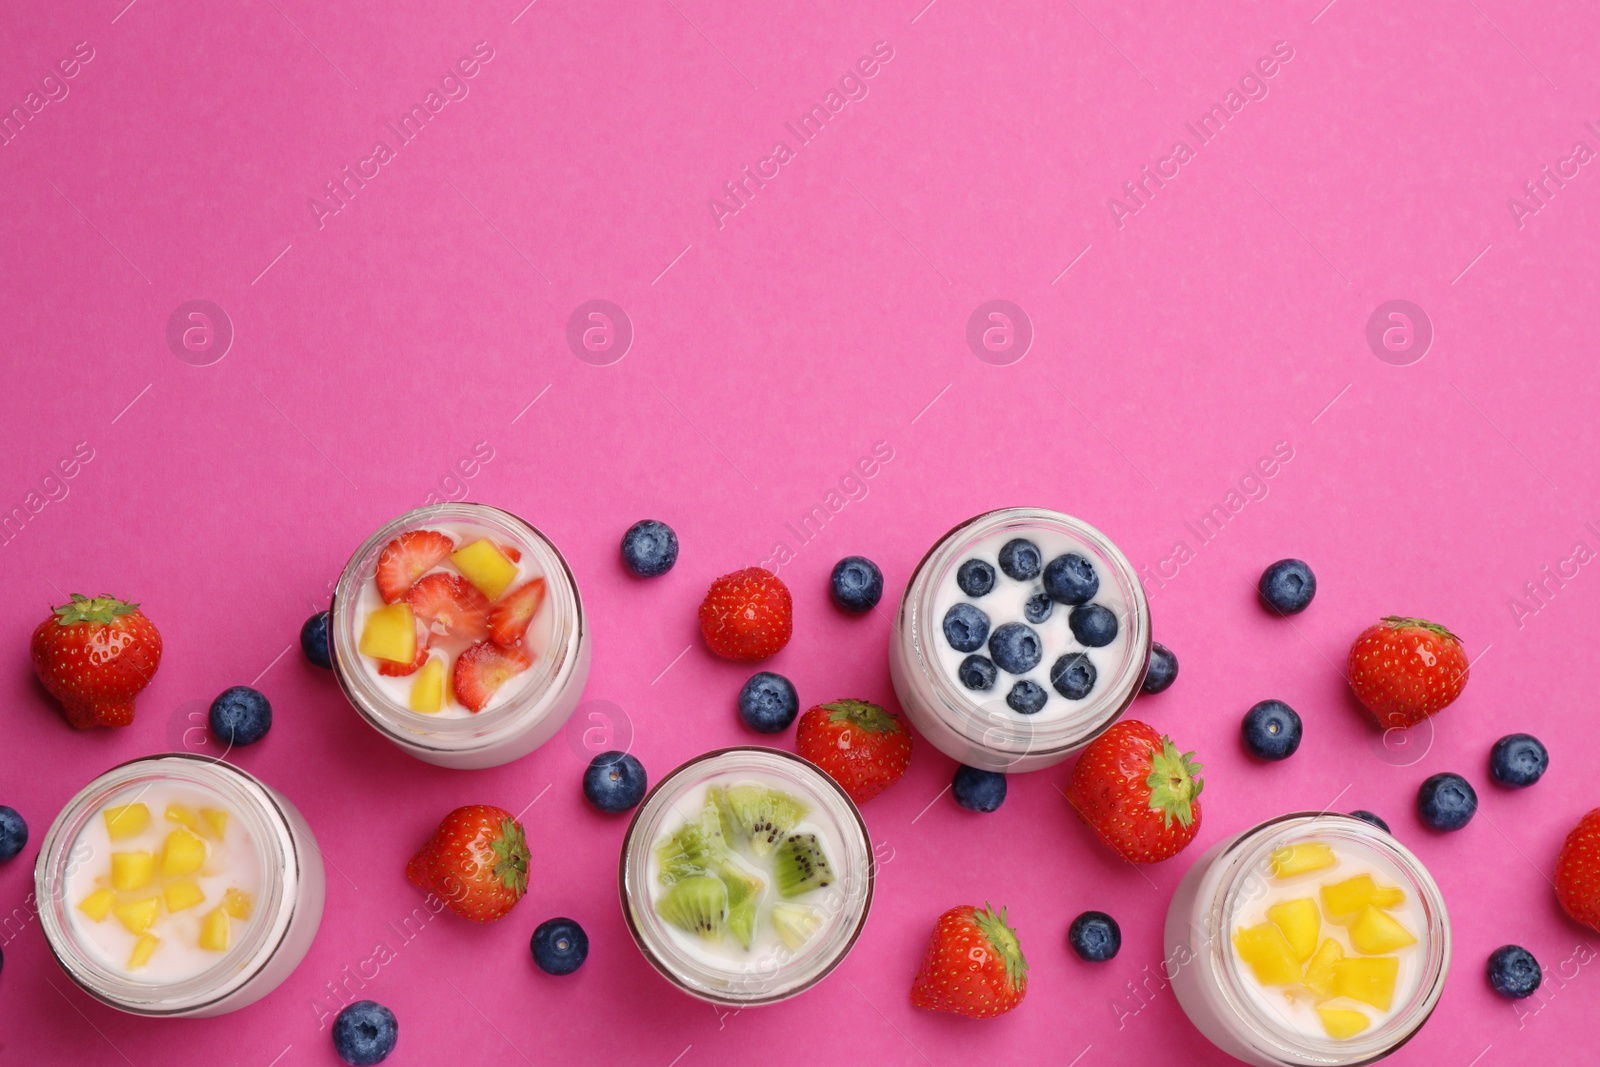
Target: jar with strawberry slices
(458, 633)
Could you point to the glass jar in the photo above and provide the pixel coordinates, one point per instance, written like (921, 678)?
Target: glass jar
(1214, 987)
(981, 729)
(275, 843)
(539, 700)
(769, 971)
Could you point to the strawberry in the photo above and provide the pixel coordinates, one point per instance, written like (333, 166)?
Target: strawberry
(974, 965)
(407, 558)
(483, 669)
(95, 656)
(1404, 670)
(450, 603)
(1578, 872)
(476, 861)
(1133, 788)
(747, 615)
(512, 613)
(864, 748)
(400, 670)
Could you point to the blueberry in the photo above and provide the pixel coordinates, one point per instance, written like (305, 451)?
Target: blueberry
(857, 584)
(649, 548)
(13, 832)
(975, 577)
(1070, 579)
(1093, 625)
(1015, 648)
(1446, 801)
(559, 946)
(1027, 697)
(1095, 936)
(965, 627)
(240, 716)
(1367, 816)
(1073, 676)
(1162, 669)
(364, 1033)
(314, 640)
(1287, 586)
(614, 781)
(1271, 730)
(1513, 972)
(1020, 559)
(977, 672)
(978, 790)
(768, 703)
(1518, 760)
(1038, 608)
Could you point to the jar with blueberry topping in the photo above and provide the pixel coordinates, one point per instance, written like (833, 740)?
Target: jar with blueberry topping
(1023, 634)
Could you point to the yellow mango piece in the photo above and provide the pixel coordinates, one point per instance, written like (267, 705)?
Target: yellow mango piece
(1319, 971)
(137, 915)
(1298, 859)
(183, 815)
(1388, 896)
(184, 853)
(1376, 932)
(217, 820)
(142, 949)
(132, 870)
(1265, 949)
(1301, 924)
(390, 633)
(126, 820)
(237, 903)
(97, 905)
(1369, 979)
(485, 567)
(1342, 1022)
(1344, 900)
(427, 692)
(214, 930)
(185, 893)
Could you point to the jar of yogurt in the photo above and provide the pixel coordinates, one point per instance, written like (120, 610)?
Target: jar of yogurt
(179, 885)
(1312, 939)
(458, 633)
(746, 876)
(1023, 634)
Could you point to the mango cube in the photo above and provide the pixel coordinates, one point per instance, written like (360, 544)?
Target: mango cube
(97, 905)
(132, 870)
(1298, 859)
(184, 853)
(137, 915)
(142, 949)
(485, 567)
(1267, 951)
(427, 692)
(214, 930)
(1369, 979)
(1319, 971)
(1345, 899)
(217, 820)
(183, 815)
(126, 820)
(1376, 932)
(184, 893)
(391, 633)
(1301, 924)
(237, 903)
(1342, 1022)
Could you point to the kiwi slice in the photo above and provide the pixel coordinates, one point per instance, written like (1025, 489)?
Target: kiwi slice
(756, 815)
(696, 847)
(795, 923)
(744, 894)
(802, 865)
(698, 904)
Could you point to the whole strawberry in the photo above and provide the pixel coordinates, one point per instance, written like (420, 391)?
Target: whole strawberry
(1404, 670)
(1578, 872)
(974, 965)
(862, 747)
(1134, 789)
(747, 615)
(95, 656)
(476, 861)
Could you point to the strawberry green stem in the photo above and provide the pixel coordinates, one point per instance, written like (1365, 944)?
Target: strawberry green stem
(1174, 783)
(102, 609)
(1003, 940)
(1401, 622)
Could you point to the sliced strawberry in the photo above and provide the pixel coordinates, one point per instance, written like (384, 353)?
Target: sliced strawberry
(392, 669)
(512, 613)
(451, 602)
(482, 669)
(407, 558)
(512, 552)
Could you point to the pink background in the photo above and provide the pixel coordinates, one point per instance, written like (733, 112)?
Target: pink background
(373, 353)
